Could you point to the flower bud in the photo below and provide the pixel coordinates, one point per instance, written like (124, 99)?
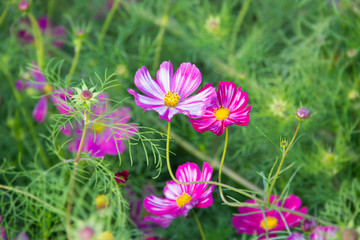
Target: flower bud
(23, 5)
(86, 95)
(349, 234)
(80, 33)
(308, 225)
(302, 113)
(86, 233)
(121, 177)
(283, 143)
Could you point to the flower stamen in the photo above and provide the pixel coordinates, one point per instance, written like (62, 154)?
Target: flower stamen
(221, 113)
(271, 223)
(47, 89)
(171, 99)
(183, 199)
(98, 127)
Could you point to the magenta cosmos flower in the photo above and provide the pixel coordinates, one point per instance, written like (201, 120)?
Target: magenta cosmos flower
(55, 34)
(59, 97)
(324, 233)
(227, 109)
(180, 199)
(252, 220)
(169, 94)
(106, 133)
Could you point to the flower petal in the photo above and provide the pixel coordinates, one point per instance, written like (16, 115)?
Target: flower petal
(186, 80)
(239, 101)
(40, 110)
(159, 206)
(206, 199)
(188, 172)
(164, 76)
(36, 73)
(172, 190)
(226, 92)
(61, 99)
(147, 85)
(163, 220)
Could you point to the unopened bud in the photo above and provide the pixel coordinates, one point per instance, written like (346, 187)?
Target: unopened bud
(302, 113)
(86, 233)
(349, 234)
(80, 33)
(121, 177)
(23, 5)
(86, 95)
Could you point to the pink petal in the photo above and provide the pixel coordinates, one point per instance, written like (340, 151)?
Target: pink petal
(188, 172)
(163, 220)
(172, 190)
(37, 75)
(226, 93)
(66, 130)
(206, 199)
(43, 23)
(203, 124)
(239, 117)
(61, 99)
(186, 80)
(159, 206)
(164, 76)
(239, 101)
(196, 105)
(40, 110)
(147, 85)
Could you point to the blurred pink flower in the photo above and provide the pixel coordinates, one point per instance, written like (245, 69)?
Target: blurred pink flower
(106, 133)
(59, 97)
(180, 199)
(324, 233)
(121, 177)
(169, 94)
(252, 220)
(228, 108)
(55, 34)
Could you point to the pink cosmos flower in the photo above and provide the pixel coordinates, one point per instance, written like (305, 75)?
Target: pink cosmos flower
(56, 34)
(324, 233)
(106, 133)
(169, 94)
(252, 220)
(59, 97)
(180, 199)
(227, 109)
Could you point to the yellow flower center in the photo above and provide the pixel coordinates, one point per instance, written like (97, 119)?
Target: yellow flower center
(101, 201)
(221, 113)
(171, 99)
(183, 199)
(106, 236)
(47, 89)
(98, 127)
(271, 223)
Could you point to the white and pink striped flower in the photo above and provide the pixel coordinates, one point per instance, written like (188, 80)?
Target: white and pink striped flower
(227, 109)
(169, 94)
(180, 199)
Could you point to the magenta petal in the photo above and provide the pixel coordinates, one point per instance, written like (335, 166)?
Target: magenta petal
(164, 76)
(147, 85)
(172, 190)
(206, 199)
(203, 124)
(159, 206)
(43, 23)
(186, 80)
(163, 220)
(239, 101)
(226, 92)
(37, 75)
(40, 110)
(20, 85)
(188, 172)
(61, 99)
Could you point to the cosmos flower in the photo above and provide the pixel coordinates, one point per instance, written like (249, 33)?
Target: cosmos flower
(106, 132)
(59, 97)
(324, 233)
(252, 220)
(121, 177)
(227, 109)
(180, 199)
(169, 94)
(55, 34)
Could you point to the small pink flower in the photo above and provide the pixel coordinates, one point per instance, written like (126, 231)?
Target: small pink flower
(227, 109)
(169, 94)
(57, 34)
(180, 199)
(296, 236)
(59, 97)
(106, 133)
(121, 177)
(252, 220)
(324, 233)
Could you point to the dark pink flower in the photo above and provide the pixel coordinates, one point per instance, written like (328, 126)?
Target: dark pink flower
(308, 225)
(324, 233)
(302, 113)
(106, 133)
(55, 34)
(180, 199)
(59, 97)
(227, 109)
(121, 177)
(253, 222)
(169, 94)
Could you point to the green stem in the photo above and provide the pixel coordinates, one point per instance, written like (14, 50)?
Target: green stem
(282, 161)
(73, 177)
(78, 44)
(3, 14)
(160, 36)
(196, 182)
(221, 165)
(108, 21)
(199, 225)
(38, 40)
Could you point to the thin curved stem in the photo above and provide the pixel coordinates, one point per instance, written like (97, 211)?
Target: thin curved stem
(201, 230)
(196, 182)
(3, 14)
(38, 40)
(73, 177)
(107, 22)
(222, 163)
(78, 43)
(282, 161)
